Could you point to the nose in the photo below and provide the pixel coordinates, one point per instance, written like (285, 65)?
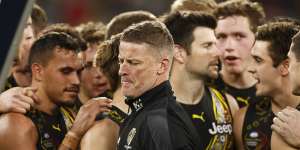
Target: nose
(228, 45)
(251, 68)
(216, 52)
(123, 69)
(75, 79)
(98, 73)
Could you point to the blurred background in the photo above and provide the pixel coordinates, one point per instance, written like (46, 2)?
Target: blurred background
(75, 12)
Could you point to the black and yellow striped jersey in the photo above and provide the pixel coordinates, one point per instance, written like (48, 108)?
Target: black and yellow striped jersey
(213, 120)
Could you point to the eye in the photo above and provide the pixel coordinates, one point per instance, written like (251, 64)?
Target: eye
(88, 65)
(221, 36)
(66, 70)
(120, 61)
(238, 36)
(133, 62)
(208, 45)
(258, 60)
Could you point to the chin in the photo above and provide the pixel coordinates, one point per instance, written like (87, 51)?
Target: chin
(69, 102)
(233, 69)
(259, 93)
(214, 75)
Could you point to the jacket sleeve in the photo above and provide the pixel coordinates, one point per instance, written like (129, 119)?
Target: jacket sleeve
(157, 132)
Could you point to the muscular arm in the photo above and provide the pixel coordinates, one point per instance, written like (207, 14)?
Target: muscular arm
(102, 136)
(17, 132)
(84, 120)
(238, 122)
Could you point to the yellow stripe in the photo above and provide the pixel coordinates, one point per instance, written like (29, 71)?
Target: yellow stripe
(67, 115)
(242, 100)
(212, 141)
(220, 97)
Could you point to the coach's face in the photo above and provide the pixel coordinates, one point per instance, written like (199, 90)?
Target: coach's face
(139, 67)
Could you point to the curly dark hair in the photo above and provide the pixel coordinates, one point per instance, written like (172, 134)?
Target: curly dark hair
(251, 10)
(279, 35)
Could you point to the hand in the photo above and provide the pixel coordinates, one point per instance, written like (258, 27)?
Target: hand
(18, 99)
(286, 125)
(87, 114)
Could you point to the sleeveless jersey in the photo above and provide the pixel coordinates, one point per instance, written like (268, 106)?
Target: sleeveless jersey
(51, 128)
(243, 96)
(213, 120)
(257, 130)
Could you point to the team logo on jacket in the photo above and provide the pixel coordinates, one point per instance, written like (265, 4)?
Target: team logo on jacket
(130, 137)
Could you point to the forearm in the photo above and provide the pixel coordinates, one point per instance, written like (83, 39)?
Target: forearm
(70, 142)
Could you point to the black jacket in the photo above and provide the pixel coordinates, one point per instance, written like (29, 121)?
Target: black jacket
(157, 122)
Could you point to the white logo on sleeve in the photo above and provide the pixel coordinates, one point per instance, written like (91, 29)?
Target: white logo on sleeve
(130, 137)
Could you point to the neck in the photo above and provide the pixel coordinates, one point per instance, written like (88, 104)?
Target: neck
(283, 98)
(119, 101)
(83, 97)
(188, 89)
(240, 81)
(45, 105)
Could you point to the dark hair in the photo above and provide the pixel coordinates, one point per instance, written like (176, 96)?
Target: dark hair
(126, 19)
(42, 49)
(285, 19)
(182, 24)
(67, 29)
(251, 10)
(93, 32)
(153, 33)
(107, 59)
(279, 34)
(39, 19)
(296, 46)
(194, 5)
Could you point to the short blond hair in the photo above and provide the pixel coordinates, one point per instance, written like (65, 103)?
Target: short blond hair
(153, 33)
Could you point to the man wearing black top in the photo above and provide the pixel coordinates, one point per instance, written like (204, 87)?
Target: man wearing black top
(50, 124)
(252, 125)
(156, 121)
(285, 126)
(236, 26)
(196, 60)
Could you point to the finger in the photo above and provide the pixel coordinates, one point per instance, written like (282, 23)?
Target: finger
(102, 99)
(22, 104)
(283, 116)
(277, 129)
(289, 110)
(104, 104)
(291, 113)
(26, 99)
(33, 96)
(33, 89)
(19, 110)
(278, 122)
(102, 110)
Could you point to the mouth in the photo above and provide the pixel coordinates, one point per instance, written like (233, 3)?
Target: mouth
(74, 90)
(125, 82)
(98, 85)
(231, 59)
(257, 80)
